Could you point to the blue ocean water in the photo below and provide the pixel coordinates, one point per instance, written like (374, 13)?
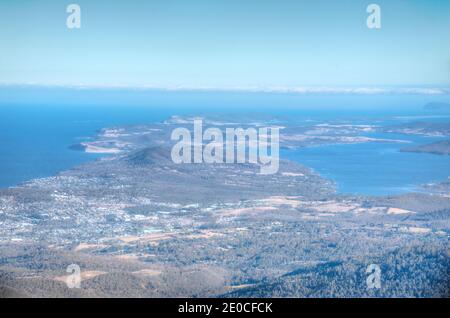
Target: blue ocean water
(35, 140)
(37, 125)
(378, 168)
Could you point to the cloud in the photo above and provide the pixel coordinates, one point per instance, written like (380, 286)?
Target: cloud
(261, 89)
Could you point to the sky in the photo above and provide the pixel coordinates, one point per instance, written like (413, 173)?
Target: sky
(226, 43)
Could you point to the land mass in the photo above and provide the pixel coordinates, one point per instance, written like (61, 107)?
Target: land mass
(438, 148)
(139, 225)
(421, 128)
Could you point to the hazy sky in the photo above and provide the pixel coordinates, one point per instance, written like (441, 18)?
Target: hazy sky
(225, 43)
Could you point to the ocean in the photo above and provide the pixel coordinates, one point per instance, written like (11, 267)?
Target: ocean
(37, 126)
(377, 168)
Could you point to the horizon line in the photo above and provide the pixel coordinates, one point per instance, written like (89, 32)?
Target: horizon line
(306, 89)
